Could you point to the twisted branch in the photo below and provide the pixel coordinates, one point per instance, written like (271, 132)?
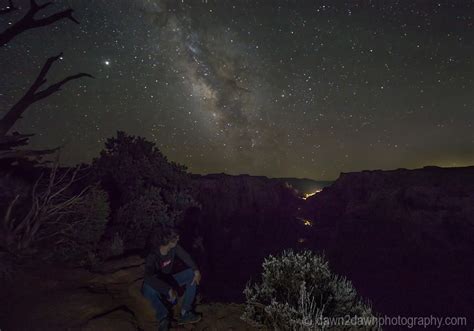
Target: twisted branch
(33, 95)
(49, 205)
(29, 21)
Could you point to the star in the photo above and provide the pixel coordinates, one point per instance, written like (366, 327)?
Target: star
(180, 66)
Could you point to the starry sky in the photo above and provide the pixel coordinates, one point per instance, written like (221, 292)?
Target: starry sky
(275, 88)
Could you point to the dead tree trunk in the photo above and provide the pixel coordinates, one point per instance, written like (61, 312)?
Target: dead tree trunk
(29, 21)
(34, 94)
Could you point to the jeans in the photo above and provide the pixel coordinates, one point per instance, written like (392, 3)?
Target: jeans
(182, 278)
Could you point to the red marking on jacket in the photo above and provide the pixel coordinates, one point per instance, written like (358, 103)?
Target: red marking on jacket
(165, 263)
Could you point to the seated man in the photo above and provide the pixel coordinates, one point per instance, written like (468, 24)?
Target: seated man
(159, 284)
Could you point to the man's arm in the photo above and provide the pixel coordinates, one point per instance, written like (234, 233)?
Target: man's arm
(151, 279)
(186, 258)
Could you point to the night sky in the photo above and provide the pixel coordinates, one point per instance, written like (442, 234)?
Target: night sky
(275, 88)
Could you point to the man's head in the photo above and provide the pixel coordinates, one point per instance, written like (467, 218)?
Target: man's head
(168, 237)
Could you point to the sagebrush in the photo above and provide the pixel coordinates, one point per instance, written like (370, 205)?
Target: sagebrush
(298, 291)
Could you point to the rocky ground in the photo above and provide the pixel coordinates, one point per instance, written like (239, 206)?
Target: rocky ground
(108, 298)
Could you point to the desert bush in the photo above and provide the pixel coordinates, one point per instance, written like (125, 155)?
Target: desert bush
(129, 166)
(7, 267)
(136, 219)
(116, 246)
(146, 189)
(76, 237)
(12, 186)
(51, 199)
(15, 196)
(298, 291)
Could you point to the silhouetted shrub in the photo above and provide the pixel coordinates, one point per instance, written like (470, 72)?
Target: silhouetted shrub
(11, 186)
(129, 166)
(137, 218)
(146, 189)
(7, 267)
(15, 200)
(298, 291)
(116, 247)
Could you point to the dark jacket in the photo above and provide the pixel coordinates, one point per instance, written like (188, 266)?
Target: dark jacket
(158, 268)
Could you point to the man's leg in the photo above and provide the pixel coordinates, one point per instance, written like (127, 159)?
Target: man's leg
(154, 297)
(185, 278)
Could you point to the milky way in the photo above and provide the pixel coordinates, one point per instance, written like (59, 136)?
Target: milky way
(275, 88)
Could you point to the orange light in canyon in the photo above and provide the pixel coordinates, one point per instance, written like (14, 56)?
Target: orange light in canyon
(307, 195)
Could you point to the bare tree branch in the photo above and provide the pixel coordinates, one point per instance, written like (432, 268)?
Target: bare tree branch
(25, 154)
(48, 205)
(9, 154)
(57, 86)
(30, 22)
(13, 140)
(33, 95)
(9, 8)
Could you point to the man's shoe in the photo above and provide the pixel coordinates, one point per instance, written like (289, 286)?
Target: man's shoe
(188, 318)
(164, 325)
